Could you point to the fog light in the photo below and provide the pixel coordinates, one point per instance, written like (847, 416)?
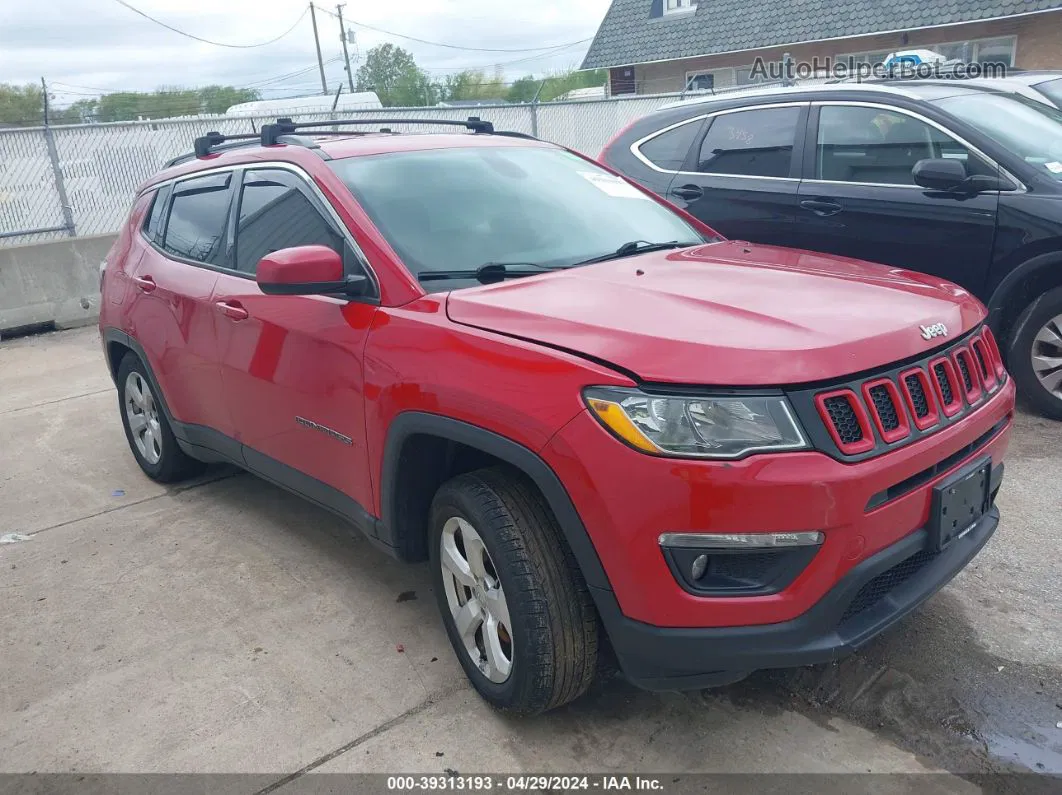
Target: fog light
(699, 566)
(741, 540)
(738, 564)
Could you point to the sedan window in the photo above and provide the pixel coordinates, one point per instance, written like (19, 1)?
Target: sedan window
(755, 143)
(1029, 129)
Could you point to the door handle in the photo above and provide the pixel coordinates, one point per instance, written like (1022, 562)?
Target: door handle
(823, 208)
(144, 283)
(688, 192)
(232, 310)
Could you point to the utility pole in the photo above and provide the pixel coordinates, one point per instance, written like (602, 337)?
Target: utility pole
(343, 38)
(44, 92)
(317, 43)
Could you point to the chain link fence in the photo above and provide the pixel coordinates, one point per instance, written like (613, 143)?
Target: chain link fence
(79, 180)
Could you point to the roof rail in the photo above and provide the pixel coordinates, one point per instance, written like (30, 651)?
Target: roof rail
(271, 132)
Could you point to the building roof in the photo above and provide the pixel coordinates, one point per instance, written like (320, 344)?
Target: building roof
(636, 31)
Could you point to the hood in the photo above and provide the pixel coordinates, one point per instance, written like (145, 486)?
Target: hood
(727, 314)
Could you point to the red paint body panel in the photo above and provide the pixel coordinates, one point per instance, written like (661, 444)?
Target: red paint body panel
(728, 314)
(627, 499)
(297, 356)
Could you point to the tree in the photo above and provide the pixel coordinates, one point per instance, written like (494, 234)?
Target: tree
(524, 89)
(392, 73)
(474, 84)
(81, 112)
(21, 105)
(218, 99)
(561, 83)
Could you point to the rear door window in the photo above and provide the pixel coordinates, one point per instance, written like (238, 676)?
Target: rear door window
(668, 150)
(198, 214)
(754, 143)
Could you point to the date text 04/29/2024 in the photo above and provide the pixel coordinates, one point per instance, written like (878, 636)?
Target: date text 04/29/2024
(523, 783)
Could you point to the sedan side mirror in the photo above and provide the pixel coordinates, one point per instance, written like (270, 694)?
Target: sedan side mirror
(939, 174)
(305, 270)
(949, 175)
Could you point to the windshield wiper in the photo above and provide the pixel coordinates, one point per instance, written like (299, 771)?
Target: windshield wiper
(638, 247)
(490, 272)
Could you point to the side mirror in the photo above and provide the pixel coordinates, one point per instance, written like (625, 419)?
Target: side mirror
(939, 174)
(305, 270)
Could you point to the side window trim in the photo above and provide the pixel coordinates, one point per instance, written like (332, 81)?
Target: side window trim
(298, 173)
(636, 147)
(812, 155)
(794, 173)
(226, 178)
(161, 197)
(290, 180)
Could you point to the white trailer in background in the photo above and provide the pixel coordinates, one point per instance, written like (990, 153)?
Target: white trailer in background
(362, 100)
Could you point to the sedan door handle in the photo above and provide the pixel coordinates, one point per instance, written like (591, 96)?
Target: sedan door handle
(822, 207)
(232, 309)
(688, 192)
(144, 283)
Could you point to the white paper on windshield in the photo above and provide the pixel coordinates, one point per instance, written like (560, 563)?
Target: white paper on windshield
(612, 185)
(1054, 167)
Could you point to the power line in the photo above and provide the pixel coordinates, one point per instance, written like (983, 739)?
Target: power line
(208, 41)
(454, 46)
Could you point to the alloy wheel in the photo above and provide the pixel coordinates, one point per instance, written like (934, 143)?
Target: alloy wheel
(476, 599)
(1047, 356)
(142, 412)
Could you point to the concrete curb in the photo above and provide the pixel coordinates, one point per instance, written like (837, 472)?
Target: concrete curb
(51, 283)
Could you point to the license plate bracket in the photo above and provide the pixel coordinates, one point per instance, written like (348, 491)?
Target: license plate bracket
(959, 503)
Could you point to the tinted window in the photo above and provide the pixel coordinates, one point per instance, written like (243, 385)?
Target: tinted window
(668, 150)
(274, 214)
(752, 142)
(1024, 127)
(459, 208)
(158, 206)
(1051, 89)
(881, 146)
(198, 213)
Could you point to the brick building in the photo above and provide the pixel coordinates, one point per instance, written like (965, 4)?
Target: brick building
(658, 46)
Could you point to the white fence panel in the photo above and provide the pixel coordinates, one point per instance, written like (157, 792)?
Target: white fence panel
(102, 164)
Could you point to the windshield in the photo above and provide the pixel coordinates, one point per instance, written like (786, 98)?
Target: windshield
(457, 209)
(1029, 129)
(1052, 89)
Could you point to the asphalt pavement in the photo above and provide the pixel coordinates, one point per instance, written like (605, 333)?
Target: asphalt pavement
(226, 626)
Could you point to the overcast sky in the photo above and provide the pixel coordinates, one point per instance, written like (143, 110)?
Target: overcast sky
(83, 46)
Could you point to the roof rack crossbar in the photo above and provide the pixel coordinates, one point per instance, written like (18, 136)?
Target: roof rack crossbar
(210, 143)
(205, 144)
(271, 132)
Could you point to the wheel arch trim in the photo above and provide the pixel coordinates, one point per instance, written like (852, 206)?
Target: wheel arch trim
(1013, 281)
(412, 423)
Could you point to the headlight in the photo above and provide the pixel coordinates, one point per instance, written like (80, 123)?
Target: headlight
(697, 427)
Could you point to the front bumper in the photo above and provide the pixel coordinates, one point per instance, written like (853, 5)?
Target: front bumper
(874, 594)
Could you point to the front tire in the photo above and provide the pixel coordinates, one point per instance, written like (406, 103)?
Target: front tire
(146, 428)
(516, 608)
(1034, 355)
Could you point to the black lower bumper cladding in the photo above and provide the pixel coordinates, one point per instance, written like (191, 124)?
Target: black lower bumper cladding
(874, 595)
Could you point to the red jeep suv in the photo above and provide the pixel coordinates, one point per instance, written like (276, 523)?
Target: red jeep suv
(600, 422)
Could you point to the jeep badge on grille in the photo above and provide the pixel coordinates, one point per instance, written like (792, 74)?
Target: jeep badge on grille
(936, 330)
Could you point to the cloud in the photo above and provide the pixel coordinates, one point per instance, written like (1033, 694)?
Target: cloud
(82, 46)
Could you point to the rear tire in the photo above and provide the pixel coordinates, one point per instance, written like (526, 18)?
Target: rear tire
(1034, 354)
(146, 428)
(535, 646)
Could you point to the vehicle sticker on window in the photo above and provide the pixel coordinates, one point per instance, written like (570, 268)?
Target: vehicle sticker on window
(1054, 167)
(612, 185)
